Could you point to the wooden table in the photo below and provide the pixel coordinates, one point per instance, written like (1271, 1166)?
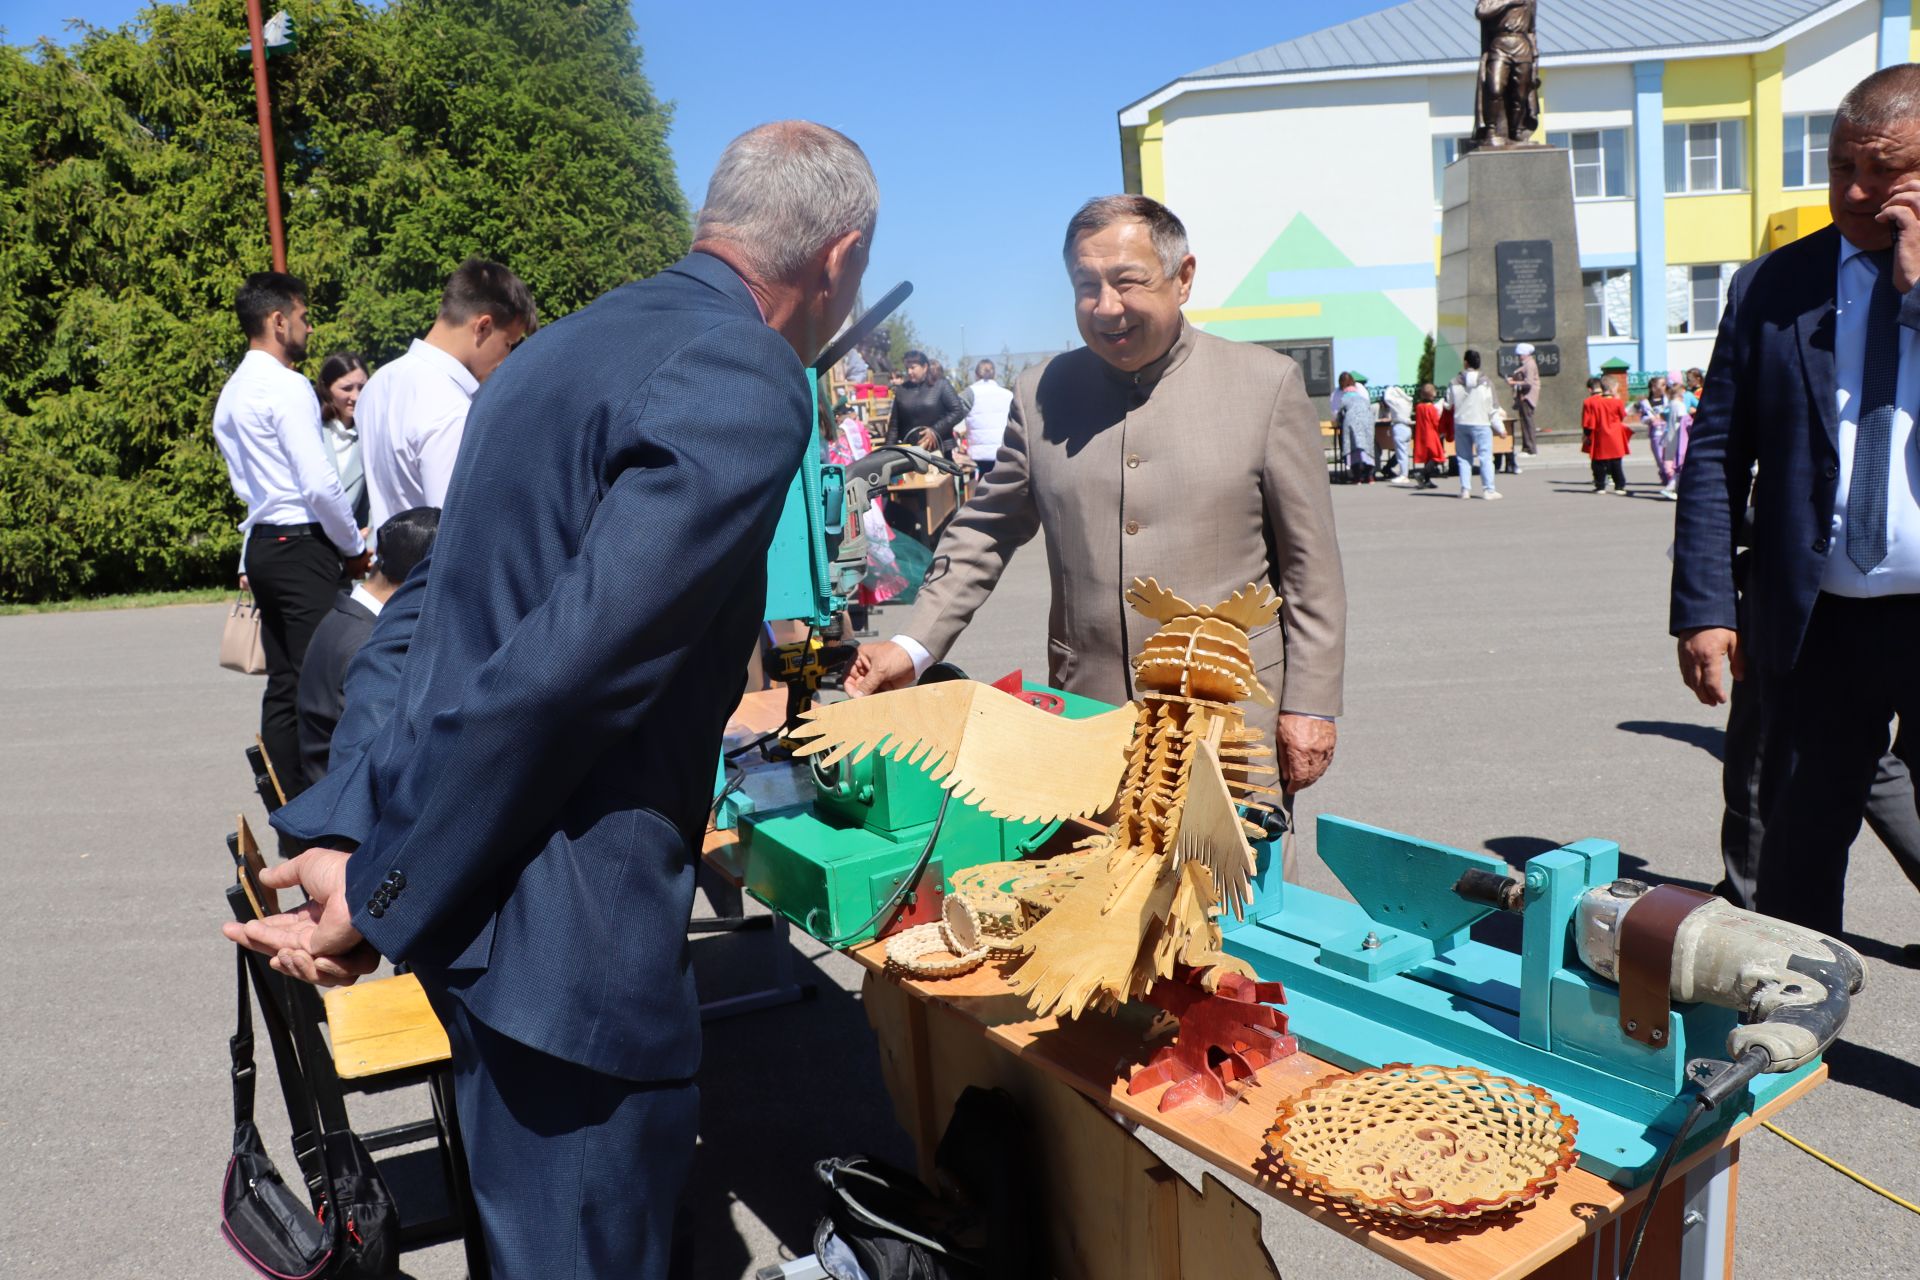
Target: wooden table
(920, 505)
(1118, 1211)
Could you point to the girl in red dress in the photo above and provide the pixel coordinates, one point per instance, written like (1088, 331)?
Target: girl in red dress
(1428, 453)
(1604, 428)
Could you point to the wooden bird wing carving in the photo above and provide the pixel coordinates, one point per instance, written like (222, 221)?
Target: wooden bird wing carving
(1211, 832)
(987, 747)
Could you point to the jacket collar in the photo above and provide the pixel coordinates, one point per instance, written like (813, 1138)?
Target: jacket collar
(721, 278)
(1149, 376)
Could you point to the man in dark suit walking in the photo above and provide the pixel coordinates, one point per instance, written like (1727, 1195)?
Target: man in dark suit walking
(541, 789)
(403, 542)
(1815, 381)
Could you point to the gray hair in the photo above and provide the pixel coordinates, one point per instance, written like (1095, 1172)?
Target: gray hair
(1168, 232)
(785, 190)
(1888, 97)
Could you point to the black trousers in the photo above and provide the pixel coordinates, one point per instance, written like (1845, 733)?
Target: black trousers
(295, 573)
(1524, 411)
(1824, 730)
(1611, 469)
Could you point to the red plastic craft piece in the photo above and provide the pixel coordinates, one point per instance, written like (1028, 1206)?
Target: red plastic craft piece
(1014, 682)
(1223, 1037)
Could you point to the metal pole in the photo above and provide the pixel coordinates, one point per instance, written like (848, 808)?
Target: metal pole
(263, 105)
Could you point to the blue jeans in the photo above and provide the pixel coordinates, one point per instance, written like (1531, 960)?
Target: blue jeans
(1476, 443)
(1403, 447)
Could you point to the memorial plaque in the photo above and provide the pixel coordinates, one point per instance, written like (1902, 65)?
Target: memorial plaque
(1315, 358)
(1523, 276)
(1545, 354)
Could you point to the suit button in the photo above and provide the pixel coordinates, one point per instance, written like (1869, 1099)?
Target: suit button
(1133, 460)
(1133, 526)
(1833, 469)
(1820, 546)
(398, 879)
(375, 910)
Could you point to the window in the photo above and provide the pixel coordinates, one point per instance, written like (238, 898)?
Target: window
(1805, 161)
(1599, 160)
(1445, 152)
(1609, 295)
(1705, 157)
(1696, 296)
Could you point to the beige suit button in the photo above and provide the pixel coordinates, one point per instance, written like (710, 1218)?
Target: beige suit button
(1133, 526)
(1133, 459)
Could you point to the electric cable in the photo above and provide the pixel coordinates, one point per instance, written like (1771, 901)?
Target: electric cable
(1698, 1109)
(1837, 1167)
(900, 890)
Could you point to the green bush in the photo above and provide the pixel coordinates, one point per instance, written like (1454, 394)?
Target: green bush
(409, 136)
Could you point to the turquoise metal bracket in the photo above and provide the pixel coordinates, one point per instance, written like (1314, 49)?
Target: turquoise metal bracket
(1555, 882)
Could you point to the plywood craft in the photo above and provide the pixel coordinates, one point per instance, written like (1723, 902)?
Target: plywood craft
(1173, 770)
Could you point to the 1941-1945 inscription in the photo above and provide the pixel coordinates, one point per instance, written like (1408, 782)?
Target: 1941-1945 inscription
(1523, 282)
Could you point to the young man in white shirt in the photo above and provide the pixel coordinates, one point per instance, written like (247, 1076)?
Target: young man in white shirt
(987, 420)
(299, 531)
(413, 411)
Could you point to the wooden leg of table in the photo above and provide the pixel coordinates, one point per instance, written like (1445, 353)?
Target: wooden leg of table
(1163, 1219)
(925, 1126)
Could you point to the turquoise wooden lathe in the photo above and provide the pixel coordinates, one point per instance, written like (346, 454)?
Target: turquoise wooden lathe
(1394, 976)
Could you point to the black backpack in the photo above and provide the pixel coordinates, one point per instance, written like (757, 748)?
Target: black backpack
(985, 1226)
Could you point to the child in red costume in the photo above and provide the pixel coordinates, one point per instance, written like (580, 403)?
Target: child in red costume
(1428, 453)
(1605, 434)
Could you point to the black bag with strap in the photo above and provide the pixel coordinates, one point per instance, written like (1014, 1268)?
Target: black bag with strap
(347, 1226)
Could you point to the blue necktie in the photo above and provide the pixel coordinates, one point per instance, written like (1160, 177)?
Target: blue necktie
(1873, 432)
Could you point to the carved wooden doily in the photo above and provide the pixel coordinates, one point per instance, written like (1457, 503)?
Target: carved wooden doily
(1034, 887)
(1424, 1142)
(947, 948)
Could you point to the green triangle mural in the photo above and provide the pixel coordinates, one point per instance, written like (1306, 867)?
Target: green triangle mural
(1363, 315)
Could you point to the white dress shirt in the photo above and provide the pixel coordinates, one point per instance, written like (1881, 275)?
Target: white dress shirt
(1899, 573)
(267, 427)
(366, 599)
(411, 417)
(987, 420)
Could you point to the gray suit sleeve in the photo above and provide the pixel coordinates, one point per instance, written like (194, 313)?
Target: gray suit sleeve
(1299, 509)
(1000, 518)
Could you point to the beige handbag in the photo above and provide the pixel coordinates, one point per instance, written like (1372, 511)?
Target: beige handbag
(240, 638)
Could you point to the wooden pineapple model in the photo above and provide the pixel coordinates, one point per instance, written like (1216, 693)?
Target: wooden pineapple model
(1171, 769)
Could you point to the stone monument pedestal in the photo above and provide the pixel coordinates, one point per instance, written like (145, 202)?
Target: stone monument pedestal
(1510, 273)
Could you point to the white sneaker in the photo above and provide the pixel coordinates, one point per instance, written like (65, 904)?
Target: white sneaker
(1401, 482)
(1517, 471)
(1493, 495)
(1670, 495)
(1465, 492)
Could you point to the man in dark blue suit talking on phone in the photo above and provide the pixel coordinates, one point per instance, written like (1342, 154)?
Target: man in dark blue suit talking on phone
(1808, 416)
(542, 785)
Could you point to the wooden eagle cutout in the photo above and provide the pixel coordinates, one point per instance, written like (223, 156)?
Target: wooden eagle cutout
(1174, 769)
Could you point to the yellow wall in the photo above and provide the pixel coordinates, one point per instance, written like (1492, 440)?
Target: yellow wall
(1721, 228)
(1766, 178)
(1153, 173)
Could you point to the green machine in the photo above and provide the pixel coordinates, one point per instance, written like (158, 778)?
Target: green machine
(833, 860)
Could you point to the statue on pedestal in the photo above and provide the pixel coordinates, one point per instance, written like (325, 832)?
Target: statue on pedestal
(1506, 108)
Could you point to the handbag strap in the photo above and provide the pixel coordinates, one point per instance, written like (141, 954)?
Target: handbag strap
(309, 1152)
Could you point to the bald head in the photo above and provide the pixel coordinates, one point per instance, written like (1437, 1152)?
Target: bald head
(783, 192)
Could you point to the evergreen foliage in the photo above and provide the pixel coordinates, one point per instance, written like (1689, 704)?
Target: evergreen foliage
(409, 136)
(1425, 371)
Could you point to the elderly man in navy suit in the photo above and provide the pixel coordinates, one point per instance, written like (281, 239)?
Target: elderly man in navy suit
(538, 795)
(1809, 406)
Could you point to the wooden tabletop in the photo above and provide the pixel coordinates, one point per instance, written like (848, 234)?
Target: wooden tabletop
(1083, 1054)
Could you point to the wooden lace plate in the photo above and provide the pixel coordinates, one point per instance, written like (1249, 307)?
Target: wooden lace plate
(1424, 1142)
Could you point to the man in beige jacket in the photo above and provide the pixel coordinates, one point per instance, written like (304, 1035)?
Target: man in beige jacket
(1154, 451)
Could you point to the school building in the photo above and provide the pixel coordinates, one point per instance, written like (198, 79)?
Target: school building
(1308, 172)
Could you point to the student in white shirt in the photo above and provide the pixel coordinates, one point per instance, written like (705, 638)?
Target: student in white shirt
(300, 531)
(413, 412)
(1470, 396)
(987, 419)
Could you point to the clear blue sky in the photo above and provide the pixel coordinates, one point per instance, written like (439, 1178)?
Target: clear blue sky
(987, 123)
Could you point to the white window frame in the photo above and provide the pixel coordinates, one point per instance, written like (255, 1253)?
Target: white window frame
(1696, 276)
(1604, 142)
(1797, 133)
(1446, 149)
(1607, 275)
(1693, 150)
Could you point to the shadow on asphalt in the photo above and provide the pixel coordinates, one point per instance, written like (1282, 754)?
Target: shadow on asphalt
(1895, 1079)
(1709, 739)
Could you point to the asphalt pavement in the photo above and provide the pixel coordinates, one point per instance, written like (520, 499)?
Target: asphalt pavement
(1510, 687)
